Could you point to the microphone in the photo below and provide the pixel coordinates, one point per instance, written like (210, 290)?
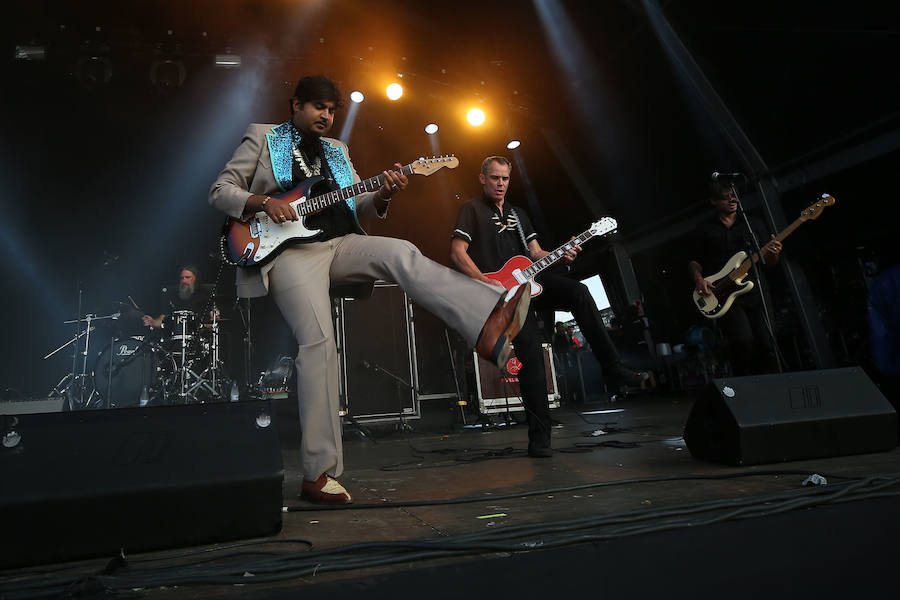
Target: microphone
(716, 176)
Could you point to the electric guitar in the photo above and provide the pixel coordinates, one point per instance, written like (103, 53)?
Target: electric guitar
(259, 239)
(729, 283)
(520, 269)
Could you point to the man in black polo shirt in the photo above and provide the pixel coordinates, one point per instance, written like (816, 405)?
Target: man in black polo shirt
(489, 232)
(715, 241)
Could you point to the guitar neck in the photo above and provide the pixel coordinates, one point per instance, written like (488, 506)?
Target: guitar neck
(755, 258)
(317, 203)
(553, 257)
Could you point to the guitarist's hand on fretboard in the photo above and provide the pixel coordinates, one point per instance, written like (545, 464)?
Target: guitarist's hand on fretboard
(772, 249)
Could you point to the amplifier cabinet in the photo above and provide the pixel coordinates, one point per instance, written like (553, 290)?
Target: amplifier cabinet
(498, 392)
(374, 342)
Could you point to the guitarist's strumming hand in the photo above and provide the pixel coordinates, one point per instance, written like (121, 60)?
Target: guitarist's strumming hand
(278, 209)
(704, 287)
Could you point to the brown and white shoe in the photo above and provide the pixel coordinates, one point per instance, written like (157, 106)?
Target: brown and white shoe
(503, 325)
(325, 490)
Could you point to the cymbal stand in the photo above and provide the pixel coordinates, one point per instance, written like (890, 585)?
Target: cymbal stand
(77, 383)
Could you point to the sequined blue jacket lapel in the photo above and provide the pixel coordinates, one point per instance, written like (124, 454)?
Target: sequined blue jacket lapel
(281, 153)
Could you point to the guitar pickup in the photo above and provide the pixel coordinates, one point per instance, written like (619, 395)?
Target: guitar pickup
(254, 228)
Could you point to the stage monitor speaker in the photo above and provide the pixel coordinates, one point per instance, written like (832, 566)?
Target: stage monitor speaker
(88, 483)
(790, 416)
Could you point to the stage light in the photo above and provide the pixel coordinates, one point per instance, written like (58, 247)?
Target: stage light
(93, 70)
(357, 96)
(394, 91)
(475, 117)
(513, 144)
(30, 53)
(228, 61)
(431, 128)
(168, 73)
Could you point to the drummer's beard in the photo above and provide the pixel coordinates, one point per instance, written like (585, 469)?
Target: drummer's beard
(185, 290)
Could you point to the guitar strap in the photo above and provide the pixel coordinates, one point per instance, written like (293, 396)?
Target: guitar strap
(512, 211)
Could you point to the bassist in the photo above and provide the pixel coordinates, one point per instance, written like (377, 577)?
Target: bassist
(715, 241)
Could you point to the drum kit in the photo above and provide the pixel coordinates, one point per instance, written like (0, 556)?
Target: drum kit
(178, 363)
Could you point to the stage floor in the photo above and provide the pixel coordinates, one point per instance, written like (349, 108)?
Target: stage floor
(627, 460)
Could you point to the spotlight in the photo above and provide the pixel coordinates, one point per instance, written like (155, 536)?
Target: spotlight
(93, 70)
(394, 91)
(228, 61)
(30, 53)
(357, 96)
(431, 128)
(168, 73)
(513, 144)
(475, 117)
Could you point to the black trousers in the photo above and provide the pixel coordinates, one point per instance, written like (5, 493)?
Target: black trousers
(750, 347)
(560, 293)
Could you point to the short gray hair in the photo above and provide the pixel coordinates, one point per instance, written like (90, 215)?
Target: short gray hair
(499, 159)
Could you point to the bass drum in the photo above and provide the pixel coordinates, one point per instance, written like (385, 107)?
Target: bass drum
(132, 372)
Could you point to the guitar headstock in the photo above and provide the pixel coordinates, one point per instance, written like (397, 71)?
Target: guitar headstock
(427, 166)
(814, 210)
(603, 226)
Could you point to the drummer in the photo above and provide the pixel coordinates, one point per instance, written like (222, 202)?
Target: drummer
(189, 295)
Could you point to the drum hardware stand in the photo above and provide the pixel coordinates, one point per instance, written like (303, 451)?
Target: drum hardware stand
(76, 383)
(210, 378)
(398, 381)
(459, 399)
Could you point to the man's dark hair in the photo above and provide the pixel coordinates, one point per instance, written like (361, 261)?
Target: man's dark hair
(717, 189)
(192, 268)
(316, 87)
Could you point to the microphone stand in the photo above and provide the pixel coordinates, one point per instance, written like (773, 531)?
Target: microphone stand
(398, 381)
(754, 269)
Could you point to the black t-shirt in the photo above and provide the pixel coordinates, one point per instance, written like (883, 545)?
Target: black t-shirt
(198, 302)
(714, 243)
(493, 235)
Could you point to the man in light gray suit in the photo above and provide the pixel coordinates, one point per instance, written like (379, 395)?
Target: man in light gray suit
(275, 158)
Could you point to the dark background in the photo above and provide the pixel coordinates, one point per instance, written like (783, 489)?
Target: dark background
(105, 182)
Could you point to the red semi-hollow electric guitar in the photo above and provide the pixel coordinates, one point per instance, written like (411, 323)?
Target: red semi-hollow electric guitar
(520, 269)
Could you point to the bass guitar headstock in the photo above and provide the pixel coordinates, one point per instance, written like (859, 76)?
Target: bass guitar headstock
(814, 210)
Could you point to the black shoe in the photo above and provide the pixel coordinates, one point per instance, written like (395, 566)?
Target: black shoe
(539, 445)
(539, 451)
(618, 374)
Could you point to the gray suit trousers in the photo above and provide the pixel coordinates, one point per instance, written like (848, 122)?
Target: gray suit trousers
(299, 281)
